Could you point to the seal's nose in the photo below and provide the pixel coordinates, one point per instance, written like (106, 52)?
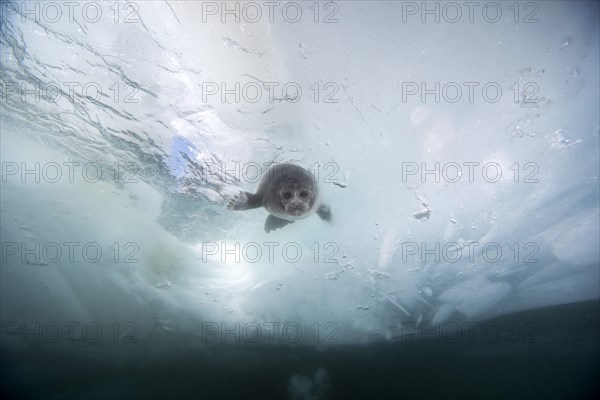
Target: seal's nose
(296, 208)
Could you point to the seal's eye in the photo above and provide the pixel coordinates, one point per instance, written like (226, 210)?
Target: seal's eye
(303, 194)
(287, 195)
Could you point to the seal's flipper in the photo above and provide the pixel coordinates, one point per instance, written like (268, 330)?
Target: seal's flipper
(273, 223)
(324, 212)
(245, 201)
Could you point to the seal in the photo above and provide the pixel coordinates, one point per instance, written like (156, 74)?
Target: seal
(288, 192)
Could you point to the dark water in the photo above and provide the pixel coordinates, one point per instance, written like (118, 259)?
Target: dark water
(548, 353)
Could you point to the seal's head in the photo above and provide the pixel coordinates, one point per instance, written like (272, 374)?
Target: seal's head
(289, 192)
(297, 198)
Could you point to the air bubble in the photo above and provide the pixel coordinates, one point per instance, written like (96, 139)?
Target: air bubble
(165, 284)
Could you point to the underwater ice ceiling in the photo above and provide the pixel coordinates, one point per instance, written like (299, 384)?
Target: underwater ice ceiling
(456, 145)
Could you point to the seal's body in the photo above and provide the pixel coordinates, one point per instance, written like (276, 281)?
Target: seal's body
(288, 192)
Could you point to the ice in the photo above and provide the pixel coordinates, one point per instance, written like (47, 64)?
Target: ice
(566, 239)
(475, 296)
(355, 271)
(443, 313)
(422, 215)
